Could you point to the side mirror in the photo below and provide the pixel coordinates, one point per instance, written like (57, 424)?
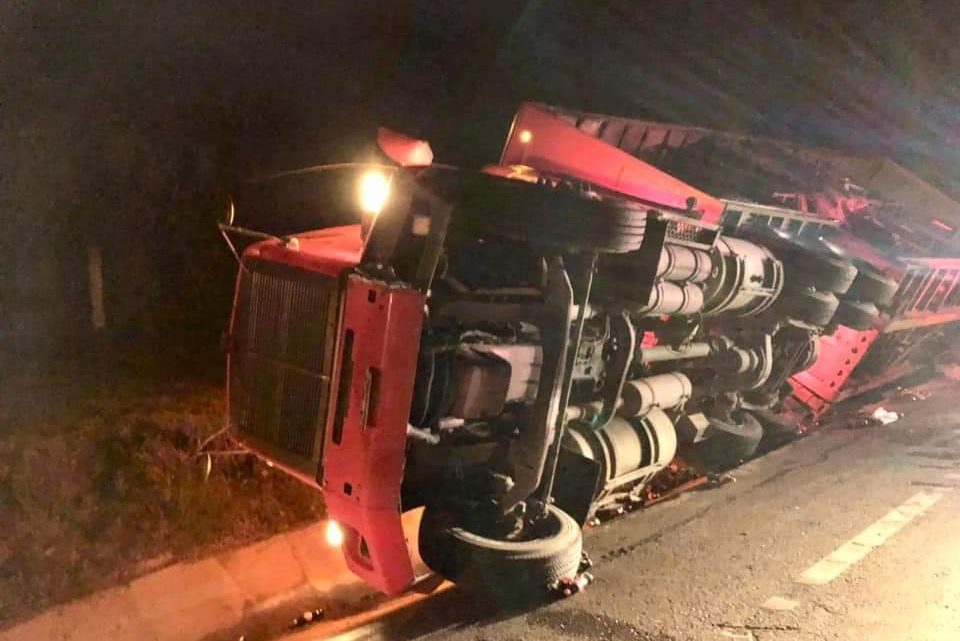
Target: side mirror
(404, 150)
(229, 214)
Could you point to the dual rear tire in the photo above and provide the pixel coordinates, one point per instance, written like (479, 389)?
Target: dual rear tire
(870, 286)
(727, 443)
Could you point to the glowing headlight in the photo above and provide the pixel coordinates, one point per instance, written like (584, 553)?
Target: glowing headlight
(374, 191)
(334, 534)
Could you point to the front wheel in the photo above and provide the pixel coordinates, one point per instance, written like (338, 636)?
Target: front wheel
(551, 552)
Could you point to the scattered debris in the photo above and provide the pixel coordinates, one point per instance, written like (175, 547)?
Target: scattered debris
(670, 483)
(307, 618)
(884, 416)
(872, 416)
(915, 393)
(672, 493)
(605, 514)
(567, 587)
(716, 480)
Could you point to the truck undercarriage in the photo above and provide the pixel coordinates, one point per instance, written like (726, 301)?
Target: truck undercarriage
(519, 348)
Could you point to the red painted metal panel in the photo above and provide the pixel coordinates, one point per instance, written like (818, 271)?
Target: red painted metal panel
(923, 299)
(839, 354)
(328, 251)
(543, 141)
(404, 150)
(364, 453)
(926, 295)
(813, 403)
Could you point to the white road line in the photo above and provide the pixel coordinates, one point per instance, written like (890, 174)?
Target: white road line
(840, 560)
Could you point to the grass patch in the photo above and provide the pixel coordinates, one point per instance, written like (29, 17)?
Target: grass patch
(100, 481)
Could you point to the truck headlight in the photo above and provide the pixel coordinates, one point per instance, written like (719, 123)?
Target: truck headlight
(374, 190)
(334, 534)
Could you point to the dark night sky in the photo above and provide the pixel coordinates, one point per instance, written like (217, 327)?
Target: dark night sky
(124, 123)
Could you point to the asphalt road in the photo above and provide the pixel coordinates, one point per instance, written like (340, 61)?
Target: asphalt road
(737, 562)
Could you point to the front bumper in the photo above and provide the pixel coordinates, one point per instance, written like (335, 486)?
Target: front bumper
(365, 443)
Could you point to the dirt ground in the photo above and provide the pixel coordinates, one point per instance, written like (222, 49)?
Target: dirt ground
(101, 481)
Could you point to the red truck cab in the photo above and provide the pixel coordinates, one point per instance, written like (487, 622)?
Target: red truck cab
(318, 343)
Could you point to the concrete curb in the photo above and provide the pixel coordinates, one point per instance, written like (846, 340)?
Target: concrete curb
(202, 600)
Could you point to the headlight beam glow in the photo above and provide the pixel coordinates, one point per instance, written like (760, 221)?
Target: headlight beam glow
(374, 190)
(334, 534)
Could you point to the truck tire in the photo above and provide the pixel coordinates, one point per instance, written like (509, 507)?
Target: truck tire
(777, 429)
(872, 287)
(728, 443)
(823, 272)
(808, 263)
(484, 563)
(856, 315)
(536, 214)
(808, 305)
(811, 351)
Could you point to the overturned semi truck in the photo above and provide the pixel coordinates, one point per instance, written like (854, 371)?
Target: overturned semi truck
(517, 348)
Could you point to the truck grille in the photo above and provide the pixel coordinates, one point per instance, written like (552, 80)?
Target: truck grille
(282, 338)
(691, 234)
